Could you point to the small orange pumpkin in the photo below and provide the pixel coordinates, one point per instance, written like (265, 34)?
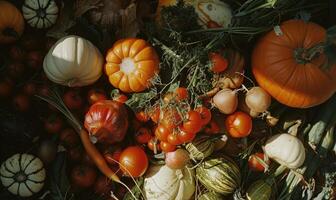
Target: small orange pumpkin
(281, 67)
(11, 22)
(131, 64)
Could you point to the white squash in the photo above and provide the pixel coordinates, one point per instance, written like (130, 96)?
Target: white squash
(73, 61)
(164, 183)
(23, 174)
(286, 149)
(40, 13)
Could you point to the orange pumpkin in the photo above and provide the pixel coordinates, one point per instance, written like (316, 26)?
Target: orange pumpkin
(11, 22)
(131, 64)
(281, 66)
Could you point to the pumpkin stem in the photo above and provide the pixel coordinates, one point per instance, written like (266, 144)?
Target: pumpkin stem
(10, 32)
(304, 56)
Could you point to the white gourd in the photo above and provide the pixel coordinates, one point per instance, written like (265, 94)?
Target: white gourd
(23, 174)
(286, 149)
(40, 13)
(164, 183)
(73, 61)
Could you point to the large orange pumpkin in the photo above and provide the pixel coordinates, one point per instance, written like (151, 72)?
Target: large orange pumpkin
(11, 22)
(131, 64)
(281, 66)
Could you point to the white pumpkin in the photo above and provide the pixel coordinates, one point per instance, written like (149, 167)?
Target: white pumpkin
(210, 12)
(23, 174)
(73, 61)
(164, 183)
(40, 13)
(286, 149)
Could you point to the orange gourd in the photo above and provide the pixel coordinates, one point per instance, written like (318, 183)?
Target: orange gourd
(281, 66)
(11, 22)
(131, 64)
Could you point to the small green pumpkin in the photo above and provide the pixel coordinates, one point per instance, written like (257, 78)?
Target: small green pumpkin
(210, 196)
(40, 13)
(219, 174)
(200, 148)
(260, 190)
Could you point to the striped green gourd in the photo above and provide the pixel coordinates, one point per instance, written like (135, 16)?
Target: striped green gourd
(200, 148)
(219, 174)
(210, 196)
(260, 190)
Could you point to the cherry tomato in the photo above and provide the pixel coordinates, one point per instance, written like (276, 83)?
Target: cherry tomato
(142, 116)
(72, 99)
(83, 176)
(143, 135)
(103, 186)
(121, 98)
(133, 161)
(185, 136)
(112, 158)
(219, 63)
(170, 118)
(256, 160)
(173, 139)
(212, 128)
(238, 124)
(162, 132)
(95, 95)
(154, 145)
(29, 89)
(154, 114)
(182, 93)
(205, 114)
(53, 124)
(193, 123)
(69, 138)
(167, 147)
(21, 102)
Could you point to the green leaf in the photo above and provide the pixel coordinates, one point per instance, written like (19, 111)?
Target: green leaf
(59, 182)
(135, 190)
(143, 100)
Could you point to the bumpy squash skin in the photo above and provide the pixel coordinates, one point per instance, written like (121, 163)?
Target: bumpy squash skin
(289, 81)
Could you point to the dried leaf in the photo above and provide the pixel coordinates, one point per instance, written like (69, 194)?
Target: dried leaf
(129, 23)
(82, 6)
(66, 20)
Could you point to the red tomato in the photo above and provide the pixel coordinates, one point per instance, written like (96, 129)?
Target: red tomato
(29, 89)
(53, 124)
(182, 93)
(133, 161)
(173, 139)
(219, 63)
(170, 118)
(193, 123)
(185, 136)
(167, 147)
(142, 116)
(205, 114)
(136, 124)
(95, 95)
(154, 114)
(212, 128)
(72, 99)
(6, 86)
(143, 135)
(113, 158)
(162, 132)
(121, 98)
(154, 145)
(238, 124)
(69, 138)
(255, 162)
(83, 176)
(34, 59)
(21, 102)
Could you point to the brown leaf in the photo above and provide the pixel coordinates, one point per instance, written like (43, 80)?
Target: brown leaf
(129, 23)
(82, 6)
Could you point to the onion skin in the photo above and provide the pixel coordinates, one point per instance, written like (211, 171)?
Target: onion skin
(257, 99)
(226, 101)
(177, 159)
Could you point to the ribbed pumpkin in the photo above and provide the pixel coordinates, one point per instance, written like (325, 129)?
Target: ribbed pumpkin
(131, 64)
(73, 61)
(200, 148)
(40, 13)
(107, 120)
(280, 65)
(260, 190)
(210, 196)
(11, 22)
(23, 174)
(219, 174)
